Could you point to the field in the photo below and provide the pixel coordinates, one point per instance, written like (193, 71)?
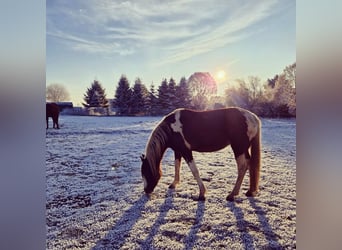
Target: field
(95, 199)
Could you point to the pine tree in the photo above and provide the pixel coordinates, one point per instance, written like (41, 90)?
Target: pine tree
(183, 95)
(139, 97)
(172, 94)
(123, 97)
(95, 96)
(152, 101)
(163, 98)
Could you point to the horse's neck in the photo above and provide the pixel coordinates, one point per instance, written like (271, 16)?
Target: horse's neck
(157, 144)
(155, 152)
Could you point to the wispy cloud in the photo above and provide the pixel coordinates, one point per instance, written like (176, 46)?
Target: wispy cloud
(89, 46)
(179, 30)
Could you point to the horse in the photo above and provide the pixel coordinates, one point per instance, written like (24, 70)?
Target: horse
(185, 130)
(52, 110)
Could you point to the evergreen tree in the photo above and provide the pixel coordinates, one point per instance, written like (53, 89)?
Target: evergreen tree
(139, 97)
(172, 93)
(152, 101)
(95, 96)
(123, 97)
(183, 95)
(163, 98)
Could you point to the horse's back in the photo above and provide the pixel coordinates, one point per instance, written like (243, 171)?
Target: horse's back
(208, 131)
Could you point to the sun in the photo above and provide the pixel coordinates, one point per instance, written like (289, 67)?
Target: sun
(220, 75)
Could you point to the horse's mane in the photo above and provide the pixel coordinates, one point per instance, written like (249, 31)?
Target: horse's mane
(156, 146)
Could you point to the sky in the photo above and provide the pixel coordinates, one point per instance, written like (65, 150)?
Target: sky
(89, 40)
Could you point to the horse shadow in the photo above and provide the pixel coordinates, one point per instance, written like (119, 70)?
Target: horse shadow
(117, 236)
(244, 226)
(270, 235)
(192, 237)
(163, 210)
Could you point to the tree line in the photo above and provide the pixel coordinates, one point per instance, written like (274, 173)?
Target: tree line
(274, 98)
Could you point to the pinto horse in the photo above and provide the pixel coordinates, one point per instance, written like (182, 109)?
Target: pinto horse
(185, 130)
(52, 110)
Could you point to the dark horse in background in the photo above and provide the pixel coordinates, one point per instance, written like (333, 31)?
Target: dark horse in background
(186, 130)
(52, 110)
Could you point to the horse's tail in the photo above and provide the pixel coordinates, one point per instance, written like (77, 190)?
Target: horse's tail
(255, 162)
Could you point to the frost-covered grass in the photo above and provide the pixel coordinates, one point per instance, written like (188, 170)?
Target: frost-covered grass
(95, 199)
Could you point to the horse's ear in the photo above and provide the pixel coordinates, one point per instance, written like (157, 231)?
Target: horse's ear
(142, 157)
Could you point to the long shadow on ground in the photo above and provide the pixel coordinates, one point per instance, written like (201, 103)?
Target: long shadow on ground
(191, 239)
(117, 235)
(266, 228)
(164, 208)
(244, 226)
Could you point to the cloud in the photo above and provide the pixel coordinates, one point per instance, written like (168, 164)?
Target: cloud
(179, 29)
(89, 46)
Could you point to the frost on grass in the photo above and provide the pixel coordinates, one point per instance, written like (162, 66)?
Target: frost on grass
(95, 197)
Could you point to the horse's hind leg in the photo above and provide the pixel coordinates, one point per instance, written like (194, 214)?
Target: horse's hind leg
(176, 180)
(55, 122)
(242, 164)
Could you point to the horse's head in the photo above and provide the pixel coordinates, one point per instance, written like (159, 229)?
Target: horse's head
(150, 174)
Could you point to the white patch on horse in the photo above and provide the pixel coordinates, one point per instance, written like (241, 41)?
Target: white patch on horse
(145, 181)
(197, 177)
(252, 124)
(177, 127)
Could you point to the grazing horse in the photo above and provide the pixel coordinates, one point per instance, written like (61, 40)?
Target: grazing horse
(52, 110)
(186, 130)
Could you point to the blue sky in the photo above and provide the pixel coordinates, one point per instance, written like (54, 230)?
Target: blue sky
(153, 39)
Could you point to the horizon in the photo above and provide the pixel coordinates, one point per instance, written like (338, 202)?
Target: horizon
(100, 40)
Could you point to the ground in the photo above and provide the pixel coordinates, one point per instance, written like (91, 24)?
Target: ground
(95, 199)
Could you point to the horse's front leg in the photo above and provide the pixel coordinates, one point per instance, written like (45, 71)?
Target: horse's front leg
(242, 164)
(176, 179)
(195, 173)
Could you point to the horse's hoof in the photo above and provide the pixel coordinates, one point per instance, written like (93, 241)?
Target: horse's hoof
(230, 198)
(252, 194)
(148, 196)
(200, 198)
(172, 186)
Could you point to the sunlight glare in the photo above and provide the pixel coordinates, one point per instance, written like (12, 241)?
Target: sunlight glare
(220, 75)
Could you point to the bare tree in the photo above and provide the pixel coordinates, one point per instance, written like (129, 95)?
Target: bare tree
(290, 74)
(283, 94)
(248, 93)
(255, 87)
(201, 87)
(56, 92)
